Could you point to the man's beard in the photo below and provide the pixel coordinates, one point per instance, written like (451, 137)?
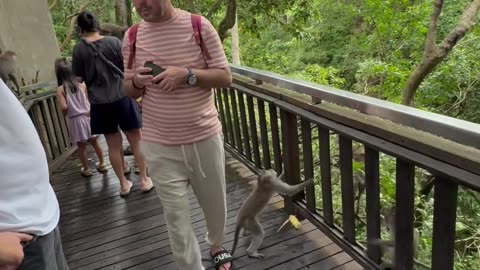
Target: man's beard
(152, 16)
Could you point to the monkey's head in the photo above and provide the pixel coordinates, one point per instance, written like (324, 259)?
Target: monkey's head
(389, 217)
(10, 55)
(267, 178)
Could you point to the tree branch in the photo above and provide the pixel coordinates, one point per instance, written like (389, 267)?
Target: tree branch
(53, 5)
(229, 20)
(433, 55)
(214, 8)
(465, 22)
(431, 40)
(72, 26)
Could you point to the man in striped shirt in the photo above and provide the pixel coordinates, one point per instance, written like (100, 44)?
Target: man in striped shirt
(181, 132)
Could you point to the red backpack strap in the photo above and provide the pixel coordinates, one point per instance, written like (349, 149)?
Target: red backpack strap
(197, 32)
(132, 40)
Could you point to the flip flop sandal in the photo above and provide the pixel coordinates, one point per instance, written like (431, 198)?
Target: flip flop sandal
(222, 257)
(125, 193)
(149, 187)
(101, 168)
(86, 173)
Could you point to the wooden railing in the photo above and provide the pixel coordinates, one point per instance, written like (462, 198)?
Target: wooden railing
(270, 121)
(40, 102)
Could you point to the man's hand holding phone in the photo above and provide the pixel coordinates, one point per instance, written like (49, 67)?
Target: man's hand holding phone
(146, 75)
(142, 78)
(168, 79)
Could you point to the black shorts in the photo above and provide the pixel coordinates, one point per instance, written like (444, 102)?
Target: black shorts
(107, 118)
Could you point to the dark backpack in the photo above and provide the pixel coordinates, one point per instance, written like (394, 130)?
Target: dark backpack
(197, 31)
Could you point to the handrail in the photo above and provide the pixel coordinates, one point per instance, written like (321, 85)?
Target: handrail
(37, 86)
(460, 131)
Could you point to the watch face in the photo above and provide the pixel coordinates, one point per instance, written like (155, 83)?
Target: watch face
(192, 79)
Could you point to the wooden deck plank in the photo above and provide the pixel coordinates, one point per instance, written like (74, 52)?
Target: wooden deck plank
(101, 230)
(352, 265)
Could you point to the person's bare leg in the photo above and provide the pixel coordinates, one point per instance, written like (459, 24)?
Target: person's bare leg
(82, 152)
(114, 142)
(98, 150)
(134, 137)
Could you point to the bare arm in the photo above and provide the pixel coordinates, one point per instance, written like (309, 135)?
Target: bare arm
(61, 100)
(213, 78)
(131, 91)
(84, 90)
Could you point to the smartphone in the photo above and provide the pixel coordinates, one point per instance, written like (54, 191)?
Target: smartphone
(155, 69)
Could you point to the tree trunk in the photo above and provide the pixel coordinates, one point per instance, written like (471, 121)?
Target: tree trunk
(419, 74)
(235, 43)
(53, 5)
(434, 54)
(128, 4)
(71, 28)
(121, 14)
(229, 20)
(191, 6)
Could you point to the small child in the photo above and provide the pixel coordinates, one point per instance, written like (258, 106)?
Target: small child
(72, 97)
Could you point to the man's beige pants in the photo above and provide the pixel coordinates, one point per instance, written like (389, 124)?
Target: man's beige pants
(172, 169)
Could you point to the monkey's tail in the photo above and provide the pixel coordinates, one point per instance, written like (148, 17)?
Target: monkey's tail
(235, 240)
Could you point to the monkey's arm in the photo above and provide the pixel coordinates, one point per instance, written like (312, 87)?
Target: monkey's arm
(286, 189)
(61, 100)
(14, 80)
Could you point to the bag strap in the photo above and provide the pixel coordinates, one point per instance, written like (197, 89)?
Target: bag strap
(105, 59)
(132, 39)
(197, 32)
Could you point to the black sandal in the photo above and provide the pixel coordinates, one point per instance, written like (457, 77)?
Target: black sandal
(221, 258)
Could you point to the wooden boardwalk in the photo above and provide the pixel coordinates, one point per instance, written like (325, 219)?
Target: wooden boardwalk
(101, 230)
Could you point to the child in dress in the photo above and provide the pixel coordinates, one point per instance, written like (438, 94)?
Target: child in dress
(72, 97)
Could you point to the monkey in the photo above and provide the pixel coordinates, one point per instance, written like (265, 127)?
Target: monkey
(109, 29)
(267, 184)
(8, 65)
(388, 246)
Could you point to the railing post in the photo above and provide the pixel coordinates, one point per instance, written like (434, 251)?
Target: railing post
(405, 184)
(444, 221)
(290, 155)
(277, 155)
(346, 175)
(325, 174)
(372, 186)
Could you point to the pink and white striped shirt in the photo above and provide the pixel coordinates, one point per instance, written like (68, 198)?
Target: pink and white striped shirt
(187, 115)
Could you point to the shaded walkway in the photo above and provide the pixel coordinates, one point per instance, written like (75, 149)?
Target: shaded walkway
(101, 230)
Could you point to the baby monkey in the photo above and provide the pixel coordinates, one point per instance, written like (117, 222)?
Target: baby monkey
(267, 184)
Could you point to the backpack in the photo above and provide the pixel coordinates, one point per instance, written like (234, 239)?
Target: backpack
(197, 31)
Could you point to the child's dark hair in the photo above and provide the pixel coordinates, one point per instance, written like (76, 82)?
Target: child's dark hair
(65, 77)
(86, 22)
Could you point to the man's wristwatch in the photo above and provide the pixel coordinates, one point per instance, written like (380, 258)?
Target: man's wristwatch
(191, 77)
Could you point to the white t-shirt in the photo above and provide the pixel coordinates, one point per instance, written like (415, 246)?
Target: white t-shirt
(27, 200)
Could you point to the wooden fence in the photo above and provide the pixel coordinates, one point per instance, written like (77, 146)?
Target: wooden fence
(40, 102)
(270, 121)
